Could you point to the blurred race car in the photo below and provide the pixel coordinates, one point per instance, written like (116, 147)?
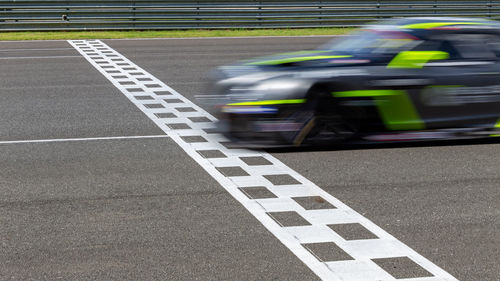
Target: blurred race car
(400, 80)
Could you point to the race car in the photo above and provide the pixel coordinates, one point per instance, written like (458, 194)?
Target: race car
(399, 80)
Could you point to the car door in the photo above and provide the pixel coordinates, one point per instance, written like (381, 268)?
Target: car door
(465, 88)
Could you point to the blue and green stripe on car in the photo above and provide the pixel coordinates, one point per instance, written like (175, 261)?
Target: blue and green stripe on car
(432, 25)
(278, 61)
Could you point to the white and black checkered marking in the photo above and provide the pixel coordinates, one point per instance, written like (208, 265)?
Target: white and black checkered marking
(299, 213)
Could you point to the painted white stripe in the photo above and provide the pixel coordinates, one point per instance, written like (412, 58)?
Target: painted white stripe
(164, 111)
(68, 85)
(180, 54)
(35, 49)
(39, 57)
(84, 139)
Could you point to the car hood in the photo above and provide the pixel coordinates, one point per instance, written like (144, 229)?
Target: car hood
(306, 65)
(294, 59)
(289, 62)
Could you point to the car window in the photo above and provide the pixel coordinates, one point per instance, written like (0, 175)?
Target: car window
(494, 44)
(466, 46)
(438, 45)
(373, 42)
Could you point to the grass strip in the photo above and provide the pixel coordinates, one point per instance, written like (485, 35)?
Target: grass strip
(68, 35)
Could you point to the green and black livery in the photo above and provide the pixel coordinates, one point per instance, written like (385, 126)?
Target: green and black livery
(404, 79)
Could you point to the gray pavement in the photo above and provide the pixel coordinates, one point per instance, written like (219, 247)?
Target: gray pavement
(58, 95)
(111, 209)
(124, 210)
(139, 209)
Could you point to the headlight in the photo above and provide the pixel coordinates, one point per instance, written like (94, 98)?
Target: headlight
(276, 86)
(258, 91)
(244, 93)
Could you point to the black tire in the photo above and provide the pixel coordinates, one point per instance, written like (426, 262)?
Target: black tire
(321, 121)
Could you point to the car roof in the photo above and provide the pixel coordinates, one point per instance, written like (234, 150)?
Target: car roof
(426, 26)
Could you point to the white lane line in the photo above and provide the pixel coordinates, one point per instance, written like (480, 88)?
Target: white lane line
(35, 49)
(39, 57)
(186, 54)
(84, 139)
(189, 126)
(68, 85)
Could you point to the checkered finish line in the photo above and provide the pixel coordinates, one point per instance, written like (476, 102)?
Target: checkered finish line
(333, 240)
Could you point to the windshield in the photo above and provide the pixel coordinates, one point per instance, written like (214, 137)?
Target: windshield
(373, 42)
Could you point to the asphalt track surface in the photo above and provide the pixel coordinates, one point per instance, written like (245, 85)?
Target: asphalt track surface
(137, 208)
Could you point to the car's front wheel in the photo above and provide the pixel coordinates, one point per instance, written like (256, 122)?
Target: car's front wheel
(320, 122)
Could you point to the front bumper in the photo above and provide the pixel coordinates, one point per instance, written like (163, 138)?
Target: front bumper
(271, 127)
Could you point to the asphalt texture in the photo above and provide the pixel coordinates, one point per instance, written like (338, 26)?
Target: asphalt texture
(125, 209)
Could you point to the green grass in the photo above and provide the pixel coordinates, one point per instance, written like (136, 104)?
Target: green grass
(66, 35)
